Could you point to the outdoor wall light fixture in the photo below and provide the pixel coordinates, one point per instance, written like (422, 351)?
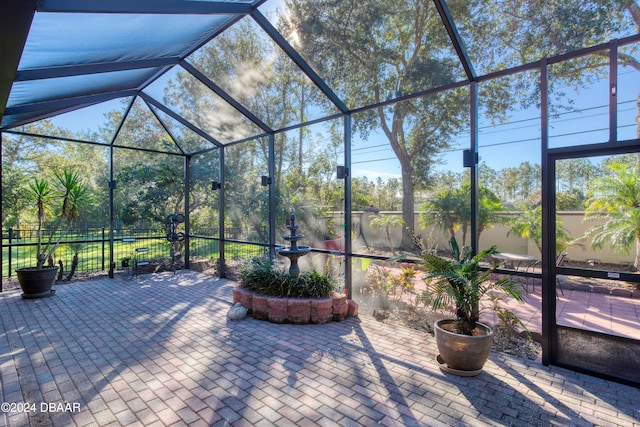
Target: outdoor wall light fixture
(469, 159)
(266, 180)
(342, 172)
(215, 185)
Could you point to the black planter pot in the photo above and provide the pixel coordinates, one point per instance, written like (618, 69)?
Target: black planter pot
(37, 283)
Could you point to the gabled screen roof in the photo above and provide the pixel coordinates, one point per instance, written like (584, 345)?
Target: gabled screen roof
(74, 56)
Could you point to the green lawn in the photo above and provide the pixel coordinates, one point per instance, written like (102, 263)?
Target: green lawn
(95, 256)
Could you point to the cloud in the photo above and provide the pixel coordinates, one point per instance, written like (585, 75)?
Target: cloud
(373, 175)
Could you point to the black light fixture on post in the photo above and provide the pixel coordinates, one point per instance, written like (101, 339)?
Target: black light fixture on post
(342, 172)
(469, 158)
(215, 185)
(266, 180)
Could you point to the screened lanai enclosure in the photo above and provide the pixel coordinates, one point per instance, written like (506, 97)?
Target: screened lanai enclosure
(385, 126)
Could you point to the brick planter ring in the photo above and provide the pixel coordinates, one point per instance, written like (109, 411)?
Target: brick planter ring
(296, 310)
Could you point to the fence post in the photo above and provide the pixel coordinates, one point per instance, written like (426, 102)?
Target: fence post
(103, 249)
(10, 251)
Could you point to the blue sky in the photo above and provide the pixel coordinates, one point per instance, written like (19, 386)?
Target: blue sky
(518, 140)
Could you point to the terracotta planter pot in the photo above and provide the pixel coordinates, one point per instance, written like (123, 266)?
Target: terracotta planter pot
(462, 354)
(37, 283)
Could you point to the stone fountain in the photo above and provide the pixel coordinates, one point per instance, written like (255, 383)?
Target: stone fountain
(293, 252)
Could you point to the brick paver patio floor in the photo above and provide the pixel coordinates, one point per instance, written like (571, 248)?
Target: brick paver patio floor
(609, 314)
(158, 351)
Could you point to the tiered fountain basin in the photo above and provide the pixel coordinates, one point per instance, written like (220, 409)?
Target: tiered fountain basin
(293, 252)
(296, 310)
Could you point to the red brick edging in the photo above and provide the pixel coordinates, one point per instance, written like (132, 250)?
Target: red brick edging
(296, 310)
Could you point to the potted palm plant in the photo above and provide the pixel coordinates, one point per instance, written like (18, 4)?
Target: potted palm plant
(59, 199)
(459, 283)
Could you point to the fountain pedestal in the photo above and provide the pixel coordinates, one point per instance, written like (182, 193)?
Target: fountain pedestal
(293, 252)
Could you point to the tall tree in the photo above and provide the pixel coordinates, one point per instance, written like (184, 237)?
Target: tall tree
(24, 155)
(575, 174)
(29, 151)
(371, 51)
(14, 196)
(150, 185)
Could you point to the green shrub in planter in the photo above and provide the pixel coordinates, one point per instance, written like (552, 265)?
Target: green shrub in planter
(260, 276)
(311, 284)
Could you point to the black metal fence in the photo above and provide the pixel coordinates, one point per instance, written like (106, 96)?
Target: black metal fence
(90, 244)
(93, 249)
(202, 246)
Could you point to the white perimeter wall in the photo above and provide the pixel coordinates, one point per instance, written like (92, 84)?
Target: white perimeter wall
(573, 222)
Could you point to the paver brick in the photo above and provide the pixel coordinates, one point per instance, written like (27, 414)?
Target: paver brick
(168, 416)
(169, 357)
(126, 417)
(105, 417)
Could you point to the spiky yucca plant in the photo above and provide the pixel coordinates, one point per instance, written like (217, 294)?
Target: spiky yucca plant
(460, 283)
(68, 193)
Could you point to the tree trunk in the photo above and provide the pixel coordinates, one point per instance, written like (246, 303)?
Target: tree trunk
(258, 229)
(74, 267)
(389, 239)
(393, 134)
(636, 263)
(61, 271)
(407, 242)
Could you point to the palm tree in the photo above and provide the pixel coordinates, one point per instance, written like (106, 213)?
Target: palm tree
(489, 207)
(386, 222)
(460, 283)
(528, 225)
(615, 198)
(451, 210)
(441, 211)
